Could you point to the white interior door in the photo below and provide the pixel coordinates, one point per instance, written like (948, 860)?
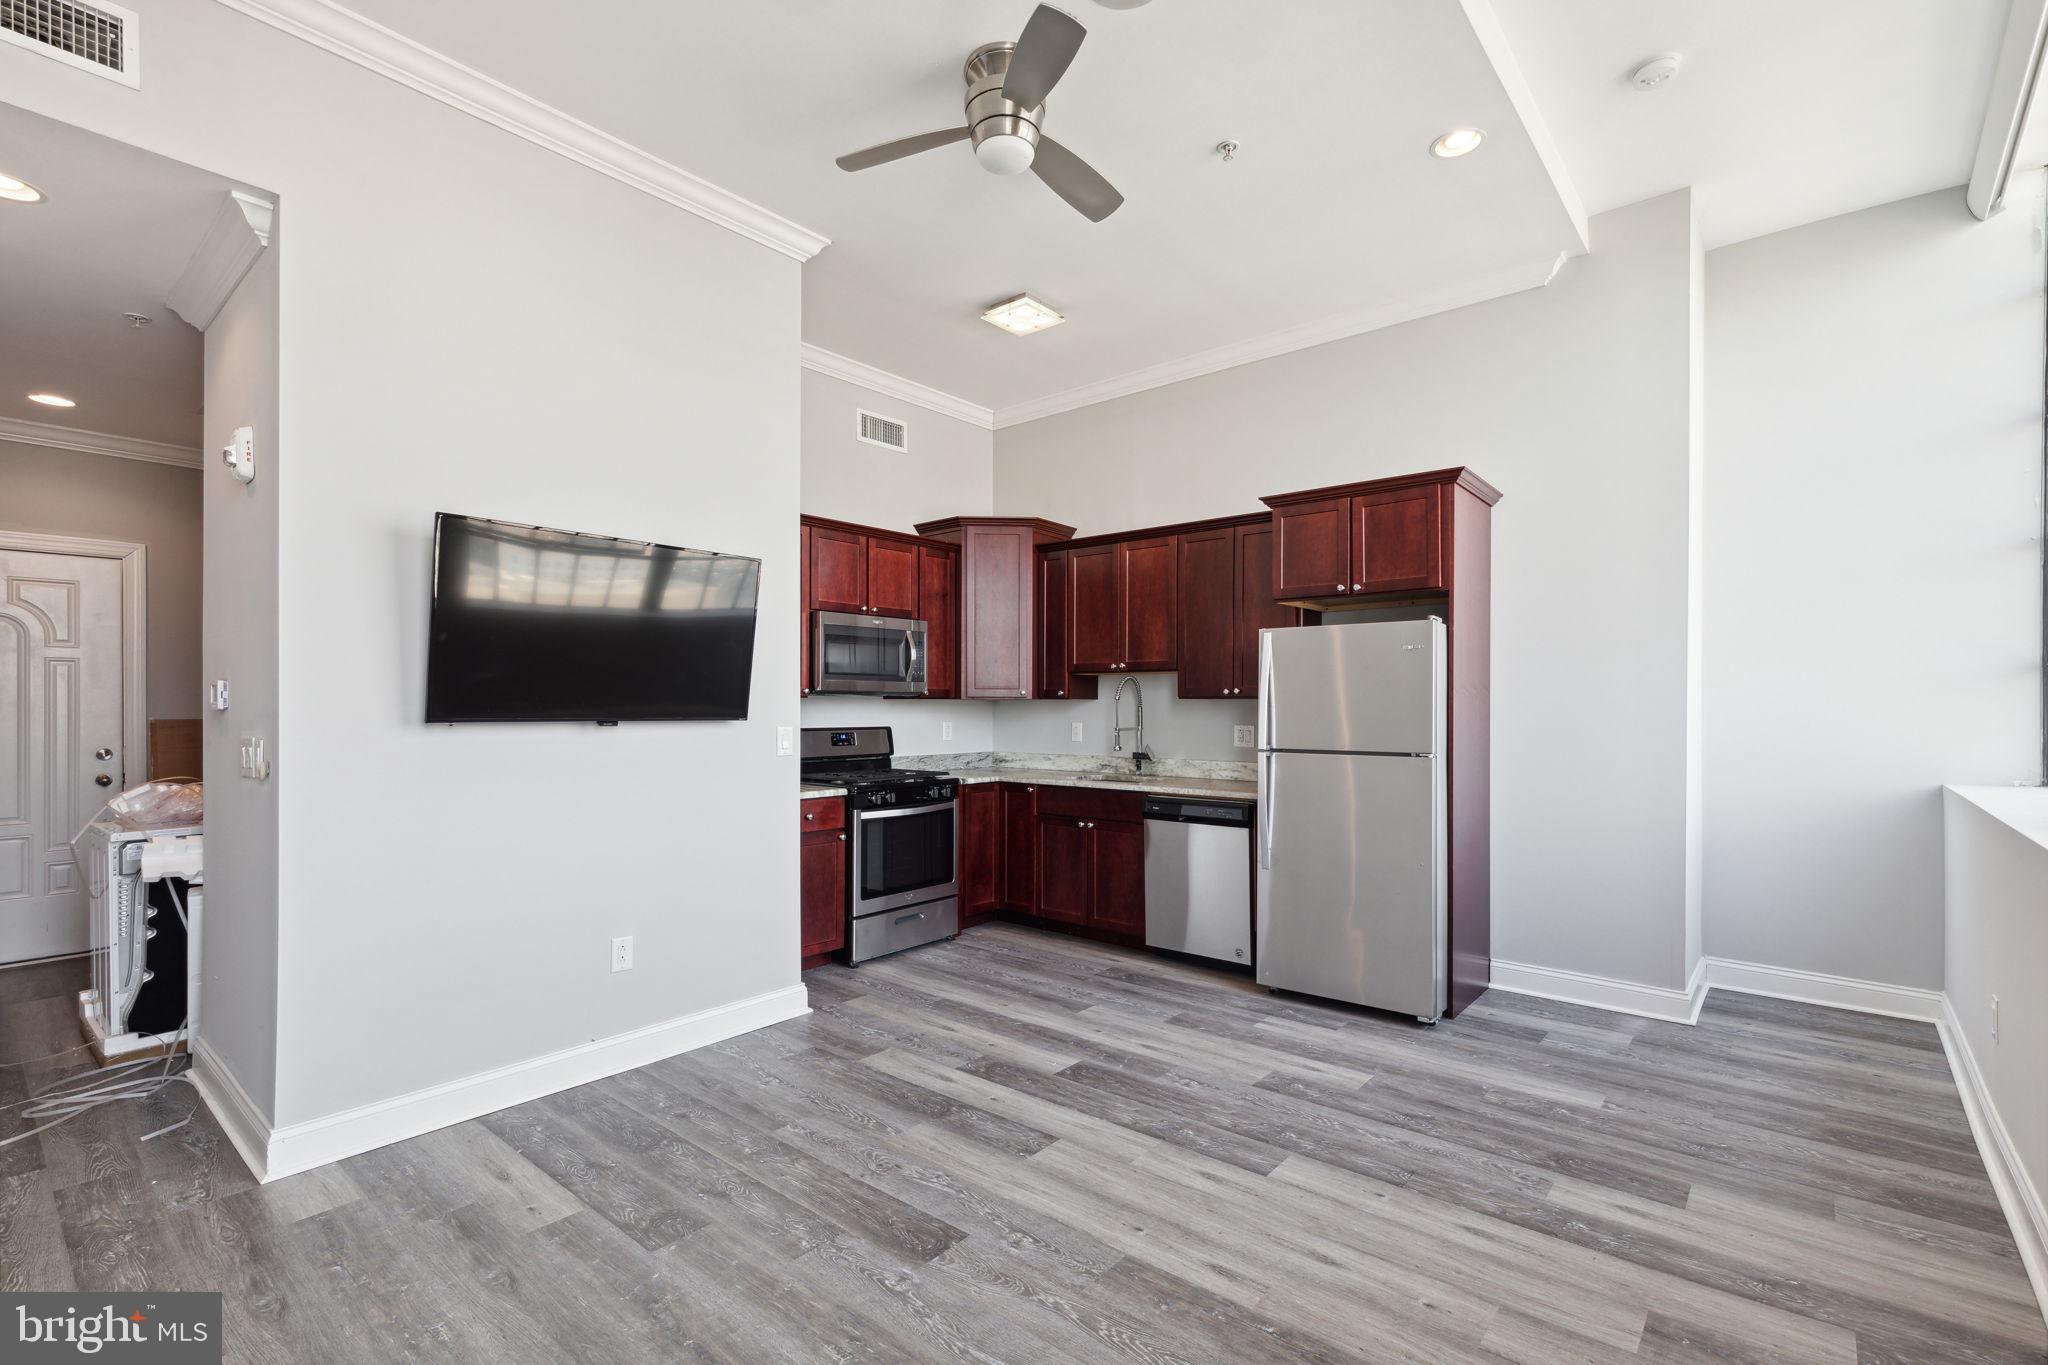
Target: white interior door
(60, 707)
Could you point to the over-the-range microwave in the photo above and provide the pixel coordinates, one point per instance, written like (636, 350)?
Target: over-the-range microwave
(876, 655)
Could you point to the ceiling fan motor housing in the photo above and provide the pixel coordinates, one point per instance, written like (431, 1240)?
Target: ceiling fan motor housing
(1005, 132)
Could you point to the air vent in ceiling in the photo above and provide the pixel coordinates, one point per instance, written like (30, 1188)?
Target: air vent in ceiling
(101, 38)
(877, 430)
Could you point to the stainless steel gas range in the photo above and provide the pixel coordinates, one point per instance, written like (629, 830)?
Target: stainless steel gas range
(905, 882)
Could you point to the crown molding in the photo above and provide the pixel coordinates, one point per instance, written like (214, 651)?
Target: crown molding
(391, 54)
(822, 361)
(1299, 338)
(96, 443)
(234, 239)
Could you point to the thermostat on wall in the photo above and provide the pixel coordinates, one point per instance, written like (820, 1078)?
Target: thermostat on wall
(240, 453)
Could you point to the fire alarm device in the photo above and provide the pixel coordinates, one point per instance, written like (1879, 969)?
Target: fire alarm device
(240, 453)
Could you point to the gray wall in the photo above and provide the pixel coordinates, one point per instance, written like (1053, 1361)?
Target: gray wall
(1196, 728)
(452, 336)
(239, 967)
(64, 492)
(1574, 400)
(1873, 620)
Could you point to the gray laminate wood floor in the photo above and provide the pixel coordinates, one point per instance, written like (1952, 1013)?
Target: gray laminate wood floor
(1020, 1147)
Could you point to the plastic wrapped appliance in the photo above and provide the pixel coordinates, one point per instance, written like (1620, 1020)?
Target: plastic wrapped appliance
(144, 862)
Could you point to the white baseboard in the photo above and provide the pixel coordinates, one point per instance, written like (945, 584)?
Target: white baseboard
(273, 1153)
(1605, 992)
(2018, 1196)
(240, 1117)
(1819, 988)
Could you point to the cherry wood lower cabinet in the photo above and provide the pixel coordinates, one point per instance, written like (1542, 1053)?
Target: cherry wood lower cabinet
(981, 852)
(1020, 846)
(821, 877)
(1088, 856)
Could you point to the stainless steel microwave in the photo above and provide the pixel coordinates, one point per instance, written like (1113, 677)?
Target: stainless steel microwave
(878, 655)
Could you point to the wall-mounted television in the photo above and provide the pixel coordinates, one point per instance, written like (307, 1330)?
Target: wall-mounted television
(534, 624)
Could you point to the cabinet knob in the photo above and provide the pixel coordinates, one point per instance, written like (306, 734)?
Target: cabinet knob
(1358, 587)
(810, 815)
(842, 838)
(1061, 693)
(1342, 588)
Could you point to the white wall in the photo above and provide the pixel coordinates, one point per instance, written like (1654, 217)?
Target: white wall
(65, 492)
(470, 323)
(1873, 607)
(1996, 944)
(239, 938)
(947, 471)
(1573, 399)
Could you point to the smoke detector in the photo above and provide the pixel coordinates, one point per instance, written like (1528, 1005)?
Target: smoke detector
(1654, 72)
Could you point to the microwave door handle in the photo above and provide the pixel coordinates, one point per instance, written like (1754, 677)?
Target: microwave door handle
(910, 651)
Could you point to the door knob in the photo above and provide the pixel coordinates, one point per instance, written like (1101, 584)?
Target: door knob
(103, 780)
(102, 754)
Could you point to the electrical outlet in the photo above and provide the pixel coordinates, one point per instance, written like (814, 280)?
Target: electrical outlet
(945, 729)
(1994, 1018)
(1243, 736)
(1080, 730)
(622, 954)
(785, 740)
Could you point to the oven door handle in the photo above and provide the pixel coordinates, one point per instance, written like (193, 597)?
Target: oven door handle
(906, 810)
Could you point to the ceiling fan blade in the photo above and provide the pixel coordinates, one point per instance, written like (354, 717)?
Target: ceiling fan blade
(1044, 51)
(901, 147)
(1075, 181)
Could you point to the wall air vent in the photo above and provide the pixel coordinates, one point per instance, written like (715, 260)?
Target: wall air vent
(875, 429)
(100, 38)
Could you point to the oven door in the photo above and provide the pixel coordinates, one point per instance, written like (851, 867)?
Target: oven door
(880, 655)
(902, 857)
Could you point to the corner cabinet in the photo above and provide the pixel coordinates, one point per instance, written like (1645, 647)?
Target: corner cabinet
(1423, 543)
(998, 595)
(868, 571)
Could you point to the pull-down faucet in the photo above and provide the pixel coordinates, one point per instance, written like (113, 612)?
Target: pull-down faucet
(1118, 729)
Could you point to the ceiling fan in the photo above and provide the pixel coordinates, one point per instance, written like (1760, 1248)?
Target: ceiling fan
(1006, 88)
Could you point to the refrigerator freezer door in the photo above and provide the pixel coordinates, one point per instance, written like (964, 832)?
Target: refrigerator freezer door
(1350, 852)
(1374, 687)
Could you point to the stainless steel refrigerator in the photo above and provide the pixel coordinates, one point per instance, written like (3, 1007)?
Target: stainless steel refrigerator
(1351, 839)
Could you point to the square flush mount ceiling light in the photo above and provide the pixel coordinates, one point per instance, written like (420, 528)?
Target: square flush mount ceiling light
(1022, 316)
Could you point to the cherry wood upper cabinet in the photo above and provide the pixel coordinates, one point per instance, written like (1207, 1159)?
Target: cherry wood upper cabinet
(998, 587)
(1312, 548)
(938, 606)
(1226, 599)
(1055, 676)
(1397, 540)
(1256, 609)
(804, 598)
(1094, 623)
(839, 569)
(892, 577)
(1146, 576)
(1208, 590)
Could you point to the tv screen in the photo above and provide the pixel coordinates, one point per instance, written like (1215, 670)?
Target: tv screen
(533, 624)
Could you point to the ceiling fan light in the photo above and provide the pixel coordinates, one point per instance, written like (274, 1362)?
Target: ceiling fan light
(1004, 153)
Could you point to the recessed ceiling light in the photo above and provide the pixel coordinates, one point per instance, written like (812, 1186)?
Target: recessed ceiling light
(20, 191)
(1022, 315)
(1457, 142)
(51, 400)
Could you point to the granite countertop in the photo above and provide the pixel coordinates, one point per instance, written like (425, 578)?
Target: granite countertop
(1151, 784)
(814, 793)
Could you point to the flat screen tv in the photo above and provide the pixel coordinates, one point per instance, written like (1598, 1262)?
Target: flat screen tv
(533, 624)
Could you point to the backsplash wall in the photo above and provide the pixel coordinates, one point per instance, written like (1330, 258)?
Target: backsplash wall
(1173, 728)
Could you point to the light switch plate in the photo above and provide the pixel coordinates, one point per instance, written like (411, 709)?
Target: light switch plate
(785, 740)
(945, 729)
(1243, 736)
(1079, 731)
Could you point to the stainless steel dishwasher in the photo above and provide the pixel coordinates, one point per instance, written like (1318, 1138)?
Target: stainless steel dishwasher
(1198, 877)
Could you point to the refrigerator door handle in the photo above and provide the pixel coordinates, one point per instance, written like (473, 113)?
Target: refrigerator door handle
(1265, 694)
(1268, 795)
